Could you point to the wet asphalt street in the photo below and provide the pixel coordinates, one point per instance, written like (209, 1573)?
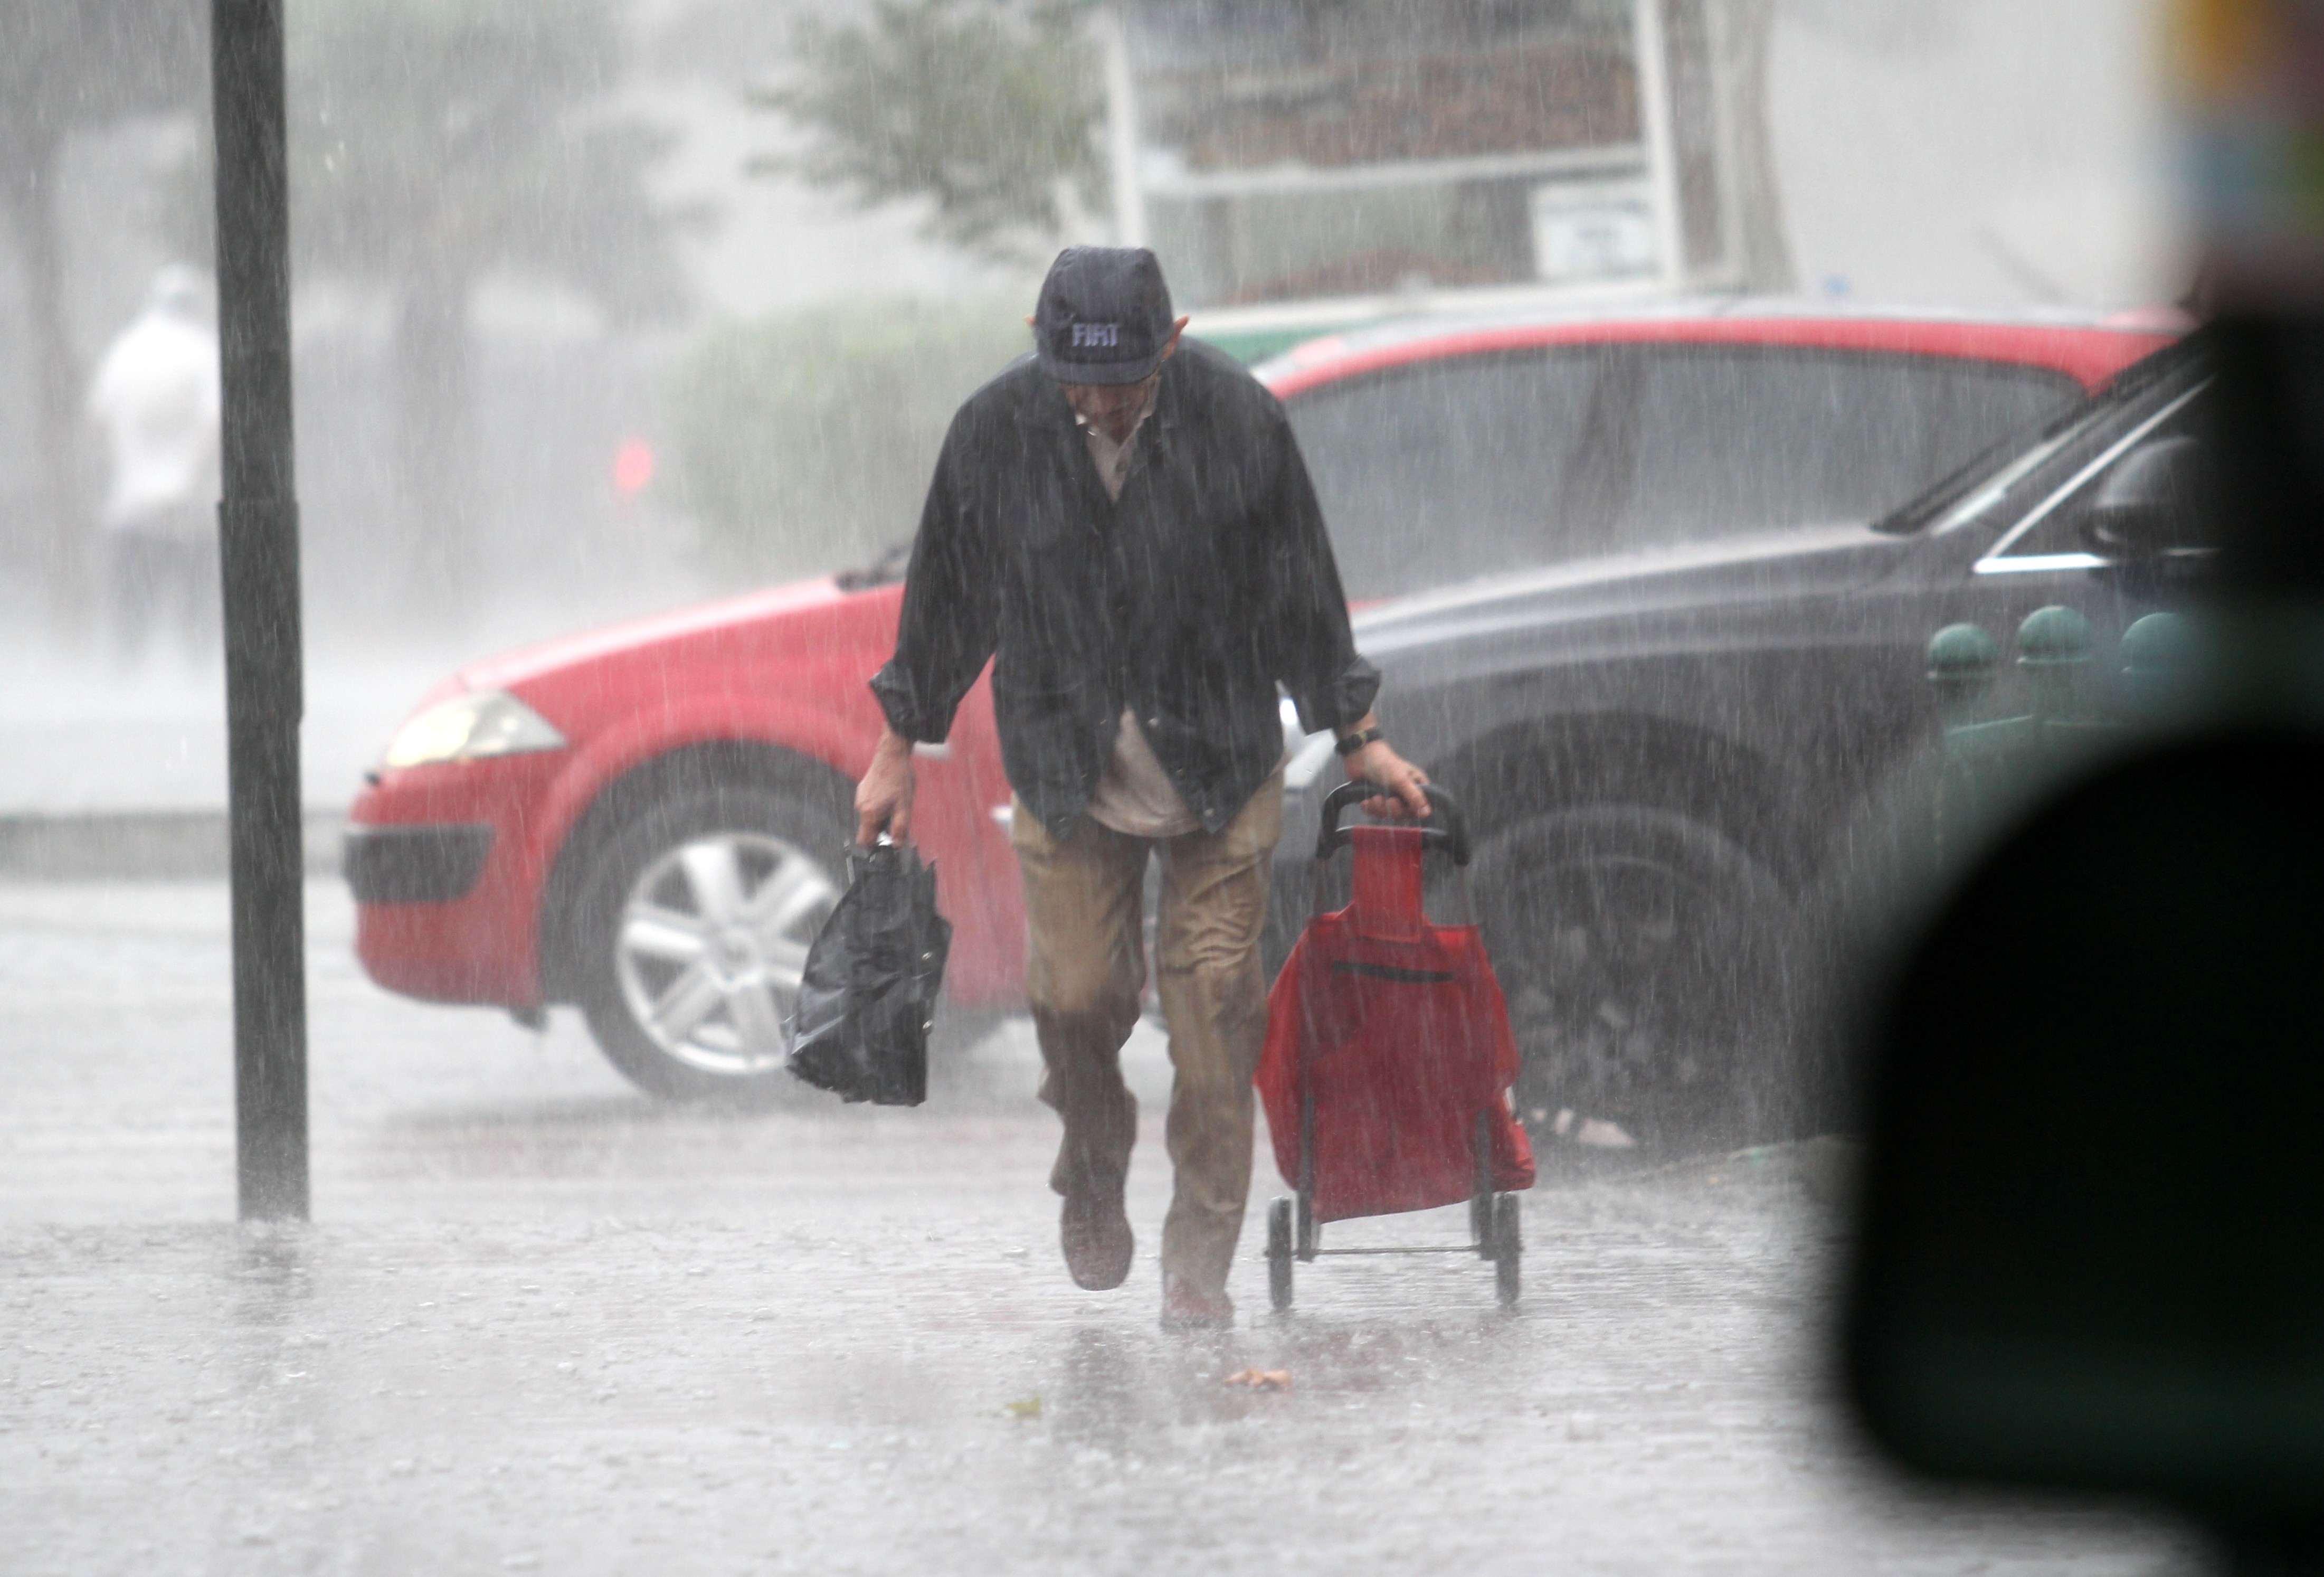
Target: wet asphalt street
(540, 1324)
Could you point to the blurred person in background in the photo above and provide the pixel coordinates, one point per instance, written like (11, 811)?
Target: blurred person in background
(155, 398)
(1130, 535)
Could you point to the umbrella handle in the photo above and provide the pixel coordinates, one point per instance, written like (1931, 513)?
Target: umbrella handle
(1450, 833)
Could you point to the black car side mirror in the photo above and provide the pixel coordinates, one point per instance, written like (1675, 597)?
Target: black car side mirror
(2091, 1218)
(2154, 500)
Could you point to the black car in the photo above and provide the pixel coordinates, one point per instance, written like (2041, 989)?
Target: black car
(1662, 754)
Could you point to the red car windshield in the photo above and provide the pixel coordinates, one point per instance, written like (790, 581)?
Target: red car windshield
(1502, 461)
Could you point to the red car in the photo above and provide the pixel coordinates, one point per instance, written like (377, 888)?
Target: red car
(647, 820)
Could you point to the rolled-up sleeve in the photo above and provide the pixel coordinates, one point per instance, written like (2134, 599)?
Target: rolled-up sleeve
(1316, 656)
(947, 632)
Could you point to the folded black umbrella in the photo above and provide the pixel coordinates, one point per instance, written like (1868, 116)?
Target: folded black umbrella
(870, 993)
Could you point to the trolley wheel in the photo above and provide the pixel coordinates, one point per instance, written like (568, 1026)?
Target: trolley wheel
(1480, 1203)
(1278, 1253)
(1508, 1248)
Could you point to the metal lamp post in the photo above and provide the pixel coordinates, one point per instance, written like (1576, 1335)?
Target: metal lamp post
(258, 533)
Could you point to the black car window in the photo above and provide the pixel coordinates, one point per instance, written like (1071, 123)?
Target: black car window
(1726, 441)
(1438, 473)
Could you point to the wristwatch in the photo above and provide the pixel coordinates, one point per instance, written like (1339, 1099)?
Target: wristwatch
(1357, 740)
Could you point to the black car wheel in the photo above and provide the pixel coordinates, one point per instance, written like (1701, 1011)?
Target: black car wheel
(1642, 954)
(696, 916)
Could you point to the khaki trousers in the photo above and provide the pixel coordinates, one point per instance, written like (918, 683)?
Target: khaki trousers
(1084, 969)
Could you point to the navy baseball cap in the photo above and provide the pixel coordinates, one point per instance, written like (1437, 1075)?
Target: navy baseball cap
(1103, 316)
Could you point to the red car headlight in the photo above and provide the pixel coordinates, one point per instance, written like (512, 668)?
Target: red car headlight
(470, 727)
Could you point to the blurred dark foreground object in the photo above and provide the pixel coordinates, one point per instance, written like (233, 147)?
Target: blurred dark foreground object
(2091, 1218)
(871, 980)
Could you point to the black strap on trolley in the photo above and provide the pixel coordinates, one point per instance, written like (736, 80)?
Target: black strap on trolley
(1447, 828)
(1446, 832)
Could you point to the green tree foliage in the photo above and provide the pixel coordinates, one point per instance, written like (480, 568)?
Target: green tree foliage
(68, 66)
(804, 442)
(989, 107)
(436, 142)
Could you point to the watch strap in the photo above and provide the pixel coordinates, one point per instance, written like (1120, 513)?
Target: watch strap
(1357, 740)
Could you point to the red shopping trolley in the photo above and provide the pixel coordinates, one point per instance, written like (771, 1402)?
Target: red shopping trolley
(1388, 1058)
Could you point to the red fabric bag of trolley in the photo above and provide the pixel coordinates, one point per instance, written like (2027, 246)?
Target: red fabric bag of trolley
(1392, 1033)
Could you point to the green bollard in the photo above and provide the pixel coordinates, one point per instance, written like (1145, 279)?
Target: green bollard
(2054, 650)
(1962, 660)
(2157, 652)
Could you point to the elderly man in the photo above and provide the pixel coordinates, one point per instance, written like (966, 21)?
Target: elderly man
(1124, 525)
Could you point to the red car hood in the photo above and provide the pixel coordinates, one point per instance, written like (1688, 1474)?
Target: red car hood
(703, 624)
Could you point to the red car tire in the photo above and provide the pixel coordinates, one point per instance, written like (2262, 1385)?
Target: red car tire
(694, 919)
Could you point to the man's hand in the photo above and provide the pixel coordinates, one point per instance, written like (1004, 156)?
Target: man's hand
(883, 800)
(1377, 763)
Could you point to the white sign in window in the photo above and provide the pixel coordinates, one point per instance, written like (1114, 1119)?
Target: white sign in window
(1584, 232)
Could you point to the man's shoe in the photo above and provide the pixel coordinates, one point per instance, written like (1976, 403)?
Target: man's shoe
(1095, 1235)
(1185, 1307)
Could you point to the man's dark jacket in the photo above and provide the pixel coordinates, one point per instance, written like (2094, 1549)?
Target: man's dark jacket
(1189, 600)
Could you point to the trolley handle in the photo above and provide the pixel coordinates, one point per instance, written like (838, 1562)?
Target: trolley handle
(1449, 831)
